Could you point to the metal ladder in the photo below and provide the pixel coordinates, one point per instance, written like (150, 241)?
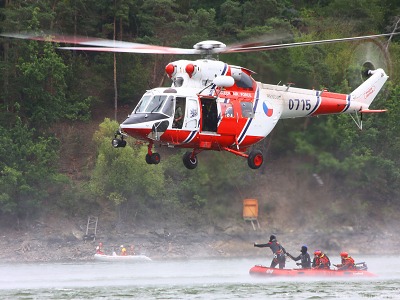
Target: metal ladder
(91, 228)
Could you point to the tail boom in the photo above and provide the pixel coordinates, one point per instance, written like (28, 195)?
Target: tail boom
(303, 103)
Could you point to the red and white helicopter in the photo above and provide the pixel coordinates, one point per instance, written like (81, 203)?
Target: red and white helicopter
(212, 105)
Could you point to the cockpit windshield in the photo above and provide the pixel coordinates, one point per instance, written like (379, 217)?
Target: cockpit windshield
(143, 103)
(156, 104)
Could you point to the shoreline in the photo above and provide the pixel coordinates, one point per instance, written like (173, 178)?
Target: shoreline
(40, 245)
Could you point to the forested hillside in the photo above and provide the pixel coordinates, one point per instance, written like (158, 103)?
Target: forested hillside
(59, 110)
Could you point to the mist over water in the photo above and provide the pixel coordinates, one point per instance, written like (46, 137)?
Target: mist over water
(190, 279)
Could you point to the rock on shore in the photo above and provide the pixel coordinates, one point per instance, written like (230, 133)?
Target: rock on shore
(43, 242)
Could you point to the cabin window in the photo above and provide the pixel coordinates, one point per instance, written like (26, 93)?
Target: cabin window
(247, 109)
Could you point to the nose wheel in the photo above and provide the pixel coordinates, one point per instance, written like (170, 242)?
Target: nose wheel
(152, 158)
(190, 160)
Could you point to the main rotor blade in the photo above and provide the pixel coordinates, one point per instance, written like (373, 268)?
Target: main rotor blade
(231, 49)
(144, 50)
(102, 45)
(266, 39)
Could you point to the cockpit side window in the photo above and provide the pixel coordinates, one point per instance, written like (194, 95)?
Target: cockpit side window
(156, 103)
(143, 103)
(168, 108)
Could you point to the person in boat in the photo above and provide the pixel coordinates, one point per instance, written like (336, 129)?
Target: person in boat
(132, 250)
(321, 260)
(123, 250)
(347, 262)
(278, 251)
(99, 248)
(304, 257)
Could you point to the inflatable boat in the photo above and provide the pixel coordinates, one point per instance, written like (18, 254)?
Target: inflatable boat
(121, 258)
(361, 271)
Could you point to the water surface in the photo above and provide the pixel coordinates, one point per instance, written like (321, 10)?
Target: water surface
(189, 279)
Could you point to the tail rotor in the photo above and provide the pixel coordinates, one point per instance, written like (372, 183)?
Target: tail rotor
(368, 55)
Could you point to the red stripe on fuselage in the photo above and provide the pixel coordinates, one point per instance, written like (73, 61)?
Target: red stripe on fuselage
(250, 140)
(176, 137)
(331, 103)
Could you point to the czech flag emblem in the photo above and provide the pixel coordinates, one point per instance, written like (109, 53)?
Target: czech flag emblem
(267, 111)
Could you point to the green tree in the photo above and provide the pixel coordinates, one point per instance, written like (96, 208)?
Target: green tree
(42, 77)
(256, 13)
(231, 17)
(28, 170)
(122, 175)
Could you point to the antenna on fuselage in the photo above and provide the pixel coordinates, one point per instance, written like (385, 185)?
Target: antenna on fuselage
(206, 88)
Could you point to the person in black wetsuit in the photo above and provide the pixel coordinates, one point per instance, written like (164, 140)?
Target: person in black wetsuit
(278, 251)
(304, 257)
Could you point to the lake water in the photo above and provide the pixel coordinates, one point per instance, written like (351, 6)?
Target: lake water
(190, 279)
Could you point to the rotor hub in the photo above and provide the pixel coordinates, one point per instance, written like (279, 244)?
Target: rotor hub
(209, 46)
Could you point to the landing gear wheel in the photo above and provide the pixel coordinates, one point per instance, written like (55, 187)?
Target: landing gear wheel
(148, 159)
(188, 161)
(255, 159)
(155, 158)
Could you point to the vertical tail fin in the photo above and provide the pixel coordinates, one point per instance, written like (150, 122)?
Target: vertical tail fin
(368, 90)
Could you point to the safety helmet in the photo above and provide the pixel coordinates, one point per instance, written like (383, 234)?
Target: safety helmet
(272, 238)
(344, 254)
(303, 249)
(122, 246)
(317, 252)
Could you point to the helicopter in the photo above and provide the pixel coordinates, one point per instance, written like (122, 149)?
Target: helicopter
(212, 105)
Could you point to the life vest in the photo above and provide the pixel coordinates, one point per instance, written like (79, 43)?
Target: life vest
(348, 262)
(322, 262)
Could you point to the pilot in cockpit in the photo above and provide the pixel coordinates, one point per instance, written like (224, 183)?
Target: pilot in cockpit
(178, 117)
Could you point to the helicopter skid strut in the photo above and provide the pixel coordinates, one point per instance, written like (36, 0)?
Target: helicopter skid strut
(254, 159)
(236, 152)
